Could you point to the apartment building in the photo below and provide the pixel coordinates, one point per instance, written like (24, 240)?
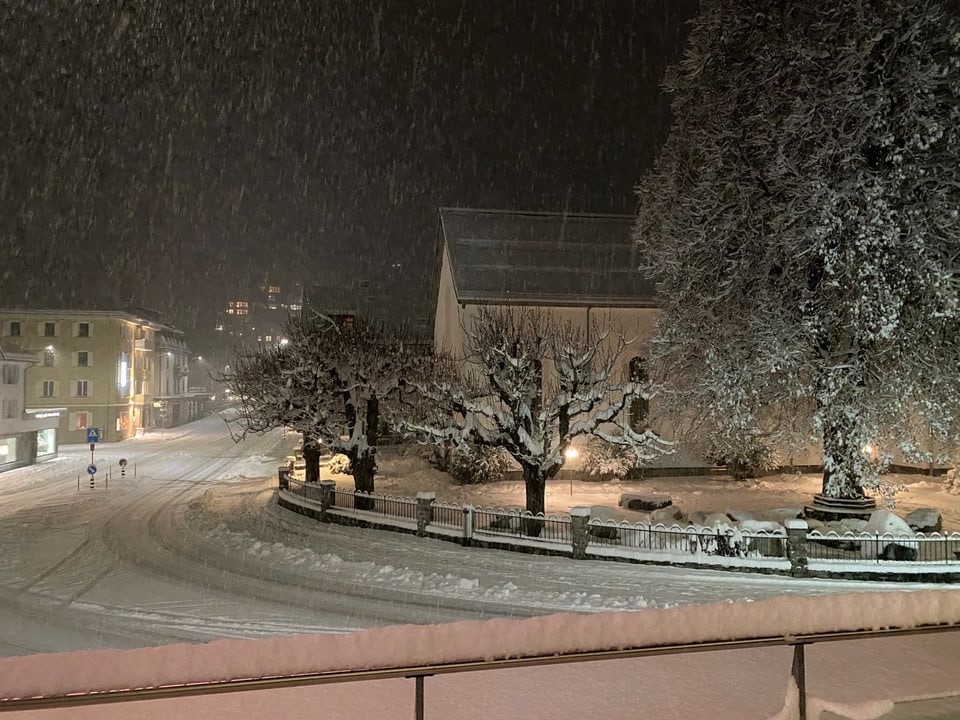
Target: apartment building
(25, 437)
(103, 368)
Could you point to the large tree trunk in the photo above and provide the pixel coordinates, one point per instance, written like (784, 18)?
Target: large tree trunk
(845, 464)
(364, 470)
(846, 468)
(311, 461)
(535, 484)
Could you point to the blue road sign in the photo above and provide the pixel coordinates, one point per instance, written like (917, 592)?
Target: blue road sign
(92, 469)
(93, 435)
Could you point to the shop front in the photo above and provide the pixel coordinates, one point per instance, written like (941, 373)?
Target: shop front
(29, 439)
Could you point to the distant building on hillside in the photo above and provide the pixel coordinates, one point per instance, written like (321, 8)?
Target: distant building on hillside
(257, 318)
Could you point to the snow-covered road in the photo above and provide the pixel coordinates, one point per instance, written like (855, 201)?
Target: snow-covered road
(194, 547)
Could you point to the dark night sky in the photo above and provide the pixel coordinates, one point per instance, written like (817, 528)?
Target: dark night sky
(175, 153)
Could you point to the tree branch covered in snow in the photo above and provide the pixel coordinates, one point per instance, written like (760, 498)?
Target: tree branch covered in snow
(531, 385)
(333, 384)
(802, 224)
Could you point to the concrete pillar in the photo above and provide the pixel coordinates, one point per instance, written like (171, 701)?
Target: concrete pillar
(797, 546)
(326, 497)
(579, 529)
(467, 523)
(424, 511)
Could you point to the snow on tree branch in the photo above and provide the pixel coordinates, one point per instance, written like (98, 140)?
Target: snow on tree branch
(802, 225)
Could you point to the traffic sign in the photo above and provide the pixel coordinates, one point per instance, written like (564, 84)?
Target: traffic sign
(93, 435)
(92, 469)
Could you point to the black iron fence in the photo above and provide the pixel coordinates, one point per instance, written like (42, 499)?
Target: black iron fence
(728, 545)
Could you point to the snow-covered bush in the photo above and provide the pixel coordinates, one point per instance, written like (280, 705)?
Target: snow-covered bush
(951, 481)
(603, 461)
(746, 459)
(339, 464)
(473, 464)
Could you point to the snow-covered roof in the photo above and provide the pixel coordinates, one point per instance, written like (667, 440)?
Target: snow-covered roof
(532, 258)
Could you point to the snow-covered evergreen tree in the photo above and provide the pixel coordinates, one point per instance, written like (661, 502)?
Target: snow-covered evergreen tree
(530, 385)
(331, 384)
(802, 224)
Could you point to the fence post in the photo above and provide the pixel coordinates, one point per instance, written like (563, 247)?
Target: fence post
(797, 546)
(580, 531)
(467, 523)
(326, 498)
(424, 511)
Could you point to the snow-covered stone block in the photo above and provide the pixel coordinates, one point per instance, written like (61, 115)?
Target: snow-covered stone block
(718, 520)
(666, 515)
(897, 551)
(854, 525)
(602, 512)
(883, 522)
(631, 501)
(925, 520)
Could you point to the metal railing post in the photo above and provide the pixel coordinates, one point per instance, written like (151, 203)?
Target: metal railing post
(418, 710)
(418, 695)
(799, 678)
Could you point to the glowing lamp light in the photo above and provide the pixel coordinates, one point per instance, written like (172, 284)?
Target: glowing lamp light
(284, 341)
(570, 453)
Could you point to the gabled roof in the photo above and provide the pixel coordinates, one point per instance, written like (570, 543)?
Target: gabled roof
(532, 258)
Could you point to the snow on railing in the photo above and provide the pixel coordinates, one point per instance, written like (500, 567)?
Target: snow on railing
(728, 545)
(726, 541)
(877, 547)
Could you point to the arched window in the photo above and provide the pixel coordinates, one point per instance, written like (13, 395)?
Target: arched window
(640, 407)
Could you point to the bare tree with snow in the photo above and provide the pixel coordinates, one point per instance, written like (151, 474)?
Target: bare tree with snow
(802, 224)
(329, 382)
(530, 385)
